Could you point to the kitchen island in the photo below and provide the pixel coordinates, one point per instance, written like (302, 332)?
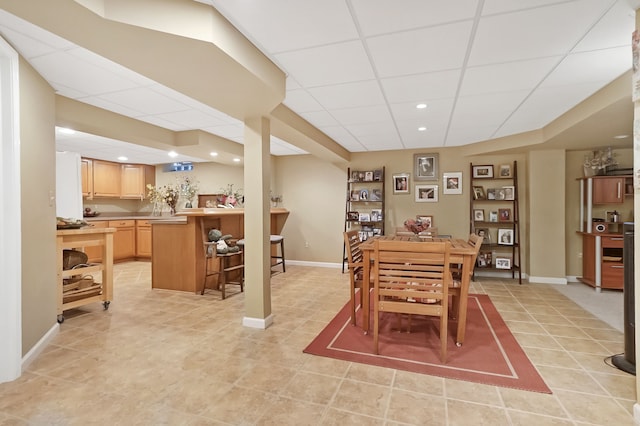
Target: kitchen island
(177, 259)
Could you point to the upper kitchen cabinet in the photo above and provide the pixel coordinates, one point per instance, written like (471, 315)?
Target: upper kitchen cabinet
(106, 179)
(87, 177)
(611, 189)
(134, 180)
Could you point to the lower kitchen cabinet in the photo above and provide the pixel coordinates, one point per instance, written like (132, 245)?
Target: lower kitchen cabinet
(143, 238)
(602, 261)
(124, 240)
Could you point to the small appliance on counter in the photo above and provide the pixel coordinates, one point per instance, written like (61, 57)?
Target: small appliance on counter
(90, 213)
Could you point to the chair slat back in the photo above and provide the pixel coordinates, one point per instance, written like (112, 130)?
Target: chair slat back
(476, 241)
(411, 272)
(354, 254)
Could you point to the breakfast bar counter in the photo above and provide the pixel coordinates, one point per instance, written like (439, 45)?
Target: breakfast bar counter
(177, 260)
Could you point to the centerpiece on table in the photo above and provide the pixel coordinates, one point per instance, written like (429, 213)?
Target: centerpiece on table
(417, 225)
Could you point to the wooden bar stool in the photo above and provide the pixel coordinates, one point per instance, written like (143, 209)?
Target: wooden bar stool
(277, 240)
(230, 267)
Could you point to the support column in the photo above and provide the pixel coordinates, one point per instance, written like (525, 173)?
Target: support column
(257, 223)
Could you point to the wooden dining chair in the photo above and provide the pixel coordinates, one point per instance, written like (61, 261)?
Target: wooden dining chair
(356, 269)
(456, 270)
(412, 278)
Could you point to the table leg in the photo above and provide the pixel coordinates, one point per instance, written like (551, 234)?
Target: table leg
(366, 283)
(465, 281)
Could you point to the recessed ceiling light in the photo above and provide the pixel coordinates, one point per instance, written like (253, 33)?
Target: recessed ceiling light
(65, 130)
(421, 106)
(173, 154)
(621, 136)
(237, 160)
(213, 154)
(122, 158)
(422, 129)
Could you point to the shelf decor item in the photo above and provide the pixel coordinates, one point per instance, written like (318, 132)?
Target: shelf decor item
(505, 236)
(482, 172)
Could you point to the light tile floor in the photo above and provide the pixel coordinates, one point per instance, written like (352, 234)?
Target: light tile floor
(170, 358)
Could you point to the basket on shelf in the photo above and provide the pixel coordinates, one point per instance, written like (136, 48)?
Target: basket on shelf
(78, 286)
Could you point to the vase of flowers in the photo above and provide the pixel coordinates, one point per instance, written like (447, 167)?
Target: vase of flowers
(166, 194)
(233, 198)
(188, 190)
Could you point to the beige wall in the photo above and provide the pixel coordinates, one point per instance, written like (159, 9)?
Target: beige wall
(37, 163)
(315, 192)
(547, 191)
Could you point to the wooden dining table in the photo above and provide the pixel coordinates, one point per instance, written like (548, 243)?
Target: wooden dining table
(461, 253)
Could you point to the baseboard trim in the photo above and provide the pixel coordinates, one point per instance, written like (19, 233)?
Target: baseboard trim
(316, 264)
(41, 345)
(547, 280)
(261, 323)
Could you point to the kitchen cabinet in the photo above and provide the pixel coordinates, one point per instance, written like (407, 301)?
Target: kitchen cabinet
(602, 240)
(610, 189)
(94, 253)
(602, 264)
(124, 240)
(106, 179)
(87, 177)
(134, 180)
(143, 238)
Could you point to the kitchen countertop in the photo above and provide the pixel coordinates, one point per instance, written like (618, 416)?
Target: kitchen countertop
(132, 216)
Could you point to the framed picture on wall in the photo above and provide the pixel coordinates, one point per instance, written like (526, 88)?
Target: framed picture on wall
(478, 215)
(505, 171)
(426, 166)
(401, 183)
(426, 193)
(452, 183)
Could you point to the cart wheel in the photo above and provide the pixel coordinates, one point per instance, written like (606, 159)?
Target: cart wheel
(106, 305)
(60, 319)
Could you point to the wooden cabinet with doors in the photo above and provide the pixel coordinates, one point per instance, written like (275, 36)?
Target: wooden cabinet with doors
(143, 238)
(124, 240)
(134, 180)
(87, 177)
(106, 179)
(611, 189)
(601, 231)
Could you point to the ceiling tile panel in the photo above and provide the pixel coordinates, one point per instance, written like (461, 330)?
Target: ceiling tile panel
(421, 87)
(319, 118)
(491, 7)
(491, 109)
(66, 69)
(601, 66)
(368, 114)
(464, 135)
(145, 99)
(301, 101)
(517, 36)
(419, 51)
(324, 65)
(348, 95)
(373, 15)
(348, 141)
(270, 24)
(614, 29)
(436, 111)
(507, 77)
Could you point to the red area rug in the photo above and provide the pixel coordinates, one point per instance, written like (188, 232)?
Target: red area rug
(489, 355)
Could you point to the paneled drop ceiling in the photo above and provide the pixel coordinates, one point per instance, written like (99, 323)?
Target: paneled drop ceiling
(356, 69)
